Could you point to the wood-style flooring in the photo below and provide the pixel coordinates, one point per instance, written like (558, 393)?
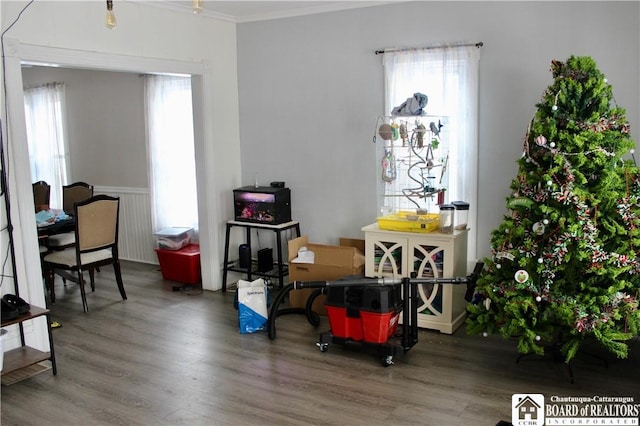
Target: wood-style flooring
(174, 358)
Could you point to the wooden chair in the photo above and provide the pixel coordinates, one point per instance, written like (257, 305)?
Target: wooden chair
(41, 195)
(71, 194)
(96, 233)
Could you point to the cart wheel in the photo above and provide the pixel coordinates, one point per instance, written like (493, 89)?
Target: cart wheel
(322, 346)
(387, 361)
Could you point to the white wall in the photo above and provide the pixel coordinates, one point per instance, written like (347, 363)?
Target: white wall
(311, 89)
(105, 122)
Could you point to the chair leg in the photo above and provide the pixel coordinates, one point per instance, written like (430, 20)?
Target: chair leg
(92, 280)
(83, 293)
(50, 282)
(116, 269)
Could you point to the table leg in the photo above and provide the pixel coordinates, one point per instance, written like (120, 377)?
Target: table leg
(225, 267)
(250, 255)
(280, 263)
(52, 353)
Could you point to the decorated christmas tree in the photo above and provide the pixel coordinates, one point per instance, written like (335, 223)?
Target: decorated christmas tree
(564, 263)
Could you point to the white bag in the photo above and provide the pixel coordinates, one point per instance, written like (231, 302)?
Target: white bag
(252, 306)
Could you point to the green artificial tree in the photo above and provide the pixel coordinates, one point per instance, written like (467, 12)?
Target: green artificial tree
(564, 263)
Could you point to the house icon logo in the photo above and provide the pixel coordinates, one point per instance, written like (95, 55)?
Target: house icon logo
(527, 409)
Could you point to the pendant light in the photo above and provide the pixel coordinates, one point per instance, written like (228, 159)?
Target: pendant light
(110, 19)
(197, 5)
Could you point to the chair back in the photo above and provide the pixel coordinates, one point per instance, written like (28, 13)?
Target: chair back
(41, 194)
(71, 194)
(97, 223)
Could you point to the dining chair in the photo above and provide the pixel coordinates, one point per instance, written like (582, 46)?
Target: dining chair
(41, 195)
(96, 233)
(71, 194)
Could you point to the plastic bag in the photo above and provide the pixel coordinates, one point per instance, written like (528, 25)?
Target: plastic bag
(252, 306)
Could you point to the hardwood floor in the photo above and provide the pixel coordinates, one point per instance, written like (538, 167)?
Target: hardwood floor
(172, 358)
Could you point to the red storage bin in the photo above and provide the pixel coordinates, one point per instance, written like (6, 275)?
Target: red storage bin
(180, 265)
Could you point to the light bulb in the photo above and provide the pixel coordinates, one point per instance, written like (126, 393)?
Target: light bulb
(110, 19)
(197, 5)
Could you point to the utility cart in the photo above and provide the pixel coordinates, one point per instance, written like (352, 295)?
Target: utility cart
(367, 311)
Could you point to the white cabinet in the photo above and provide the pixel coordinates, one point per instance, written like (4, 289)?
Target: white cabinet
(397, 254)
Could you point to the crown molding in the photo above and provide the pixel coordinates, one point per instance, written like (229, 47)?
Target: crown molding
(182, 7)
(312, 10)
(175, 7)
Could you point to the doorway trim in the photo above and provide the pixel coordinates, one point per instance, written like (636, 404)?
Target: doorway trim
(25, 235)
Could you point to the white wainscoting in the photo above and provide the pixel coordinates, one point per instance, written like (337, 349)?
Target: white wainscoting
(136, 240)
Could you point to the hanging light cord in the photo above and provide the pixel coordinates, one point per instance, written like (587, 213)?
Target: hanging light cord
(4, 76)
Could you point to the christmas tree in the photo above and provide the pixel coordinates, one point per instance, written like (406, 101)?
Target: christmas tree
(565, 263)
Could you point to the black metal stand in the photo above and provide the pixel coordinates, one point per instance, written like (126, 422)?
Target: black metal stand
(281, 265)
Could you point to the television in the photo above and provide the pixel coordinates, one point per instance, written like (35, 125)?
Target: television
(262, 204)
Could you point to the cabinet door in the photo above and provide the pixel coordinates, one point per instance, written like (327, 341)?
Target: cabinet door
(428, 261)
(389, 252)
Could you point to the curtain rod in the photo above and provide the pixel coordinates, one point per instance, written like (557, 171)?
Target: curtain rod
(380, 52)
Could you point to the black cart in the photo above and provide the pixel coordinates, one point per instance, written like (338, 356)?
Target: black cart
(367, 310)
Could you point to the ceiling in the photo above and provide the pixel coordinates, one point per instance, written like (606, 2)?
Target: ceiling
(247, 11)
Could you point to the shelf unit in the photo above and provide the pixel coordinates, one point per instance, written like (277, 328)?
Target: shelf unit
(25, 356)
(280, 265)
(396, 254)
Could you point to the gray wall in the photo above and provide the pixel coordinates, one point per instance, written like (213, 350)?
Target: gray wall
(311, 88)
(105, 118)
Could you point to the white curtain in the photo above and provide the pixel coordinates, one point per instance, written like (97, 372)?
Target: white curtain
(48, 151)
(448, 75)
(172, 172)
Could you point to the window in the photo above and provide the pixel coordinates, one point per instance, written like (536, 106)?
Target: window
(48, 148)
(449, 78)
(172, 169)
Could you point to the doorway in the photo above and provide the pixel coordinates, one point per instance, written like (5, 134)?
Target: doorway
(20, 180)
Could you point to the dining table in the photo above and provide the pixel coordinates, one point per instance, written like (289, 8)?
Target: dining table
(59, 227)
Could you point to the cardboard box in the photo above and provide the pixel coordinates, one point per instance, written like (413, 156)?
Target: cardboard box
(330, 263)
